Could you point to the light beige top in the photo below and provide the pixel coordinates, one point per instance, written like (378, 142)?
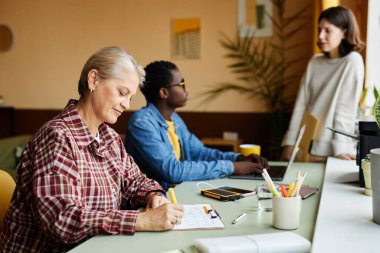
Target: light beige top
(330, 90)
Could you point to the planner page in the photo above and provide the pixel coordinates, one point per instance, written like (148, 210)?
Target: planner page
(200, 216)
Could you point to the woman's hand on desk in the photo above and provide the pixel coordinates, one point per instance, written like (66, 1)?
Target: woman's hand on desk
(246, 168)
(161, 218)
(317, 159)
(346, 156)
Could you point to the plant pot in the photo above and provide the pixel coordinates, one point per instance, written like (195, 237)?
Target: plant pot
(366, 166)
(375, 183)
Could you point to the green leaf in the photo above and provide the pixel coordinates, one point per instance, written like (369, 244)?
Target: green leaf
(375, 92)
(262, 65)
(376, 110)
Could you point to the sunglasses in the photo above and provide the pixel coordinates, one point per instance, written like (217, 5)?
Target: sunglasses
(182, 84)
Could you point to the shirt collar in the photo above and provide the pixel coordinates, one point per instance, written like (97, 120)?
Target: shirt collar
(157, 114)
(161, 120)
(78, 127)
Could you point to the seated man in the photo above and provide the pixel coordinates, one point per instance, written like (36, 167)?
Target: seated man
(162, 146)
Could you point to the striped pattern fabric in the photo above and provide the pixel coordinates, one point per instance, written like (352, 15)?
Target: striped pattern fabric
(71, 187)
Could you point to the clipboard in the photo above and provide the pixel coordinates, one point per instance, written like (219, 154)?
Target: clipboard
(307, 191)
(200, 216)
(311, 123)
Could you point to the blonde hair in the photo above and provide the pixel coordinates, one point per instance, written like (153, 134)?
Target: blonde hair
(110, 62)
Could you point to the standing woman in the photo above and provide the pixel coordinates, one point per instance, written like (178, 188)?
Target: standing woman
(75, 179)
(331, 87)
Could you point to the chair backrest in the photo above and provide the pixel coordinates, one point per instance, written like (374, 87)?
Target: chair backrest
(7, 186)
(311, 123)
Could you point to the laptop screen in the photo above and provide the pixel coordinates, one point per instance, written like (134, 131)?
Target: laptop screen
(276, 171)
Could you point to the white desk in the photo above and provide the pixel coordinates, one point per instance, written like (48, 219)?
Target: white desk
(187, 193)
(344, 221)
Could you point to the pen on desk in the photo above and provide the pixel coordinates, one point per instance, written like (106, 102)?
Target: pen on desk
(213, 214)
(172, 195)
(217, 213)
(241, 216)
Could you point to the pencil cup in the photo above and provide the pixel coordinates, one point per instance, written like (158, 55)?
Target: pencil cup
(287, 212)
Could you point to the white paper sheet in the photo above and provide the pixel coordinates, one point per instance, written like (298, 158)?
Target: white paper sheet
(195, 217)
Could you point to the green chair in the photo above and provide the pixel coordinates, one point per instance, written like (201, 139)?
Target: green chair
(10, 152)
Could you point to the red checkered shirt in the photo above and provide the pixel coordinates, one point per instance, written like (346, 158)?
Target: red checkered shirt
(71, 187)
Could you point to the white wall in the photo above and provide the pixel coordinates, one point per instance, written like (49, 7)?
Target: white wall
(373, 46)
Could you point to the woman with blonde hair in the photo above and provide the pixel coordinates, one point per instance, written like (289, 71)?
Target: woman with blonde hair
(75, 179)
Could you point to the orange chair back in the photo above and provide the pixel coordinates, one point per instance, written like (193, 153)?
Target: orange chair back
(7, 187)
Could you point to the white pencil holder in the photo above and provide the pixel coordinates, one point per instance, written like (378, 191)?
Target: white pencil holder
(287, 212)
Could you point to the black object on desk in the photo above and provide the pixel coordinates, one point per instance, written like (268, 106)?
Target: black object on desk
(369, 138)
(227, 193)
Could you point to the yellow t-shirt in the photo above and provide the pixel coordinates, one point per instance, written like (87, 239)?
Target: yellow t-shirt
(173, 138)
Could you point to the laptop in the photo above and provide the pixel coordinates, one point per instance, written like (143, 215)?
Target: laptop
(277, 170)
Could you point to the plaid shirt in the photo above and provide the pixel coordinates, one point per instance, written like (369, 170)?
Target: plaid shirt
(71, 187)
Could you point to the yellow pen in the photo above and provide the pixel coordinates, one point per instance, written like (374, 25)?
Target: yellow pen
(294, 192)
(290, 189)
(172, 195)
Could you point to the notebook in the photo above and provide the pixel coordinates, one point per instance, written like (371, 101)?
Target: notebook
(281, 242)
(276, 171)
(311, 123)
(199, 216)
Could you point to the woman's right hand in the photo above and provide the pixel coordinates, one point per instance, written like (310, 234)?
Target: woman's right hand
(347, 156)
(286, 153)
(160, 218)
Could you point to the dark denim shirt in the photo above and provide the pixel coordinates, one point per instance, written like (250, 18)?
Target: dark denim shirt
(148, 143)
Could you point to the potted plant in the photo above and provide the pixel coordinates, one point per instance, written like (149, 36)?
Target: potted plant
(262, 67)
(376, 107)
(375, 165)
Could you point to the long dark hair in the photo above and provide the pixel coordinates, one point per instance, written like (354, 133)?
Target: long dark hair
(344, 19)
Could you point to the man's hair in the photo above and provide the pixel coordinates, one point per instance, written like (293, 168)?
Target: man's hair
(344, 19)
(110, 62)
(157, 75)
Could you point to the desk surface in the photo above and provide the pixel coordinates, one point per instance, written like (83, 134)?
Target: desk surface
(187, 193)
(344, 222)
